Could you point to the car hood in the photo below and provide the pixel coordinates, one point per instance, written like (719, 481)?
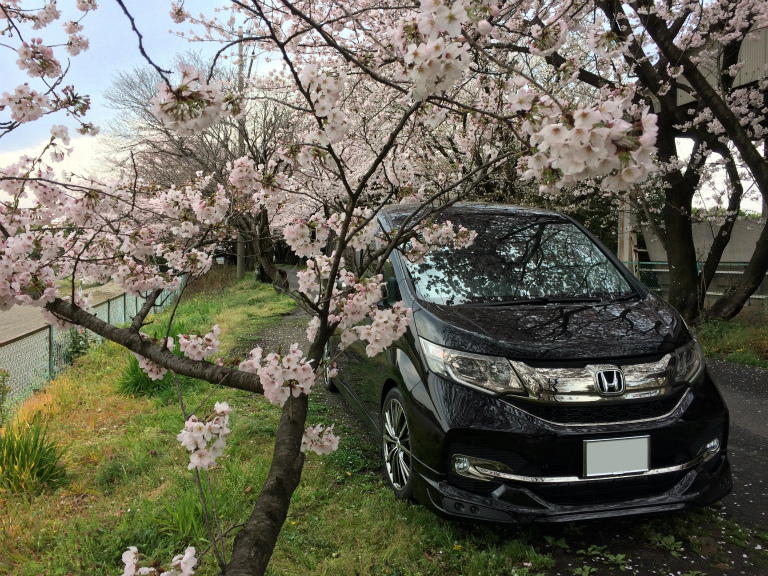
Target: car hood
(555, 332)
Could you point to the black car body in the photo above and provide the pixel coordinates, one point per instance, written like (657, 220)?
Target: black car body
(593, 400)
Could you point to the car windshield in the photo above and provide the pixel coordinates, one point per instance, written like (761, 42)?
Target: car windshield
(517, 258)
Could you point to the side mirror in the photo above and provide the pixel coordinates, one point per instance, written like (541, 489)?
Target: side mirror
(393, 291)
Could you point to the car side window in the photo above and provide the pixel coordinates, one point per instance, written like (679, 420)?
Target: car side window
(388, 270)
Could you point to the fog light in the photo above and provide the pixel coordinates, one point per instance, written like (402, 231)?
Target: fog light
(461, 464)
(711, 449)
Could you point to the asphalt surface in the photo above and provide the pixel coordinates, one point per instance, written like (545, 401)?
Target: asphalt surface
(745, 390)
(20, 320)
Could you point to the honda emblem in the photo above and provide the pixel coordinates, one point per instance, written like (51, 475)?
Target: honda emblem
(610, 382)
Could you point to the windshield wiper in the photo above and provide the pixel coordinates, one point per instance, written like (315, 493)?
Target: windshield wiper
(622, 298)
(535, 301)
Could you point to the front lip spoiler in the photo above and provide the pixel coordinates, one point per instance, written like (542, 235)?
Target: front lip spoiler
(458, 504)
(477, 472)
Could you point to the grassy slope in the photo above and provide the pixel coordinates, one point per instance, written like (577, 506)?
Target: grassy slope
(736, 341)
(128, 485)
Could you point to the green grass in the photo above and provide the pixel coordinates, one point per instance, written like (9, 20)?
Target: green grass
(128, 485)
(30, 459)
(736, 341)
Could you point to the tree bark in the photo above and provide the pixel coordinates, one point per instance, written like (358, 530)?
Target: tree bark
(735, 297)
(265, 250)
(724, 234)
(255, 543)
(681, 252)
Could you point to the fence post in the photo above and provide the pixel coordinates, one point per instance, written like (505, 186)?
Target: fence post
(50, 353)
(125, 311)
(109, 310)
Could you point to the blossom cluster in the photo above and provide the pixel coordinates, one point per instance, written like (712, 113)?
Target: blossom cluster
(597, 143)
(200, 347)
(38, 60)
(307, 238)
(361, 224)
(136, 564)
(432, 61)
(281, 375)
(386, 327)
(319, 440)
(324, 88)
(154, 371)
(194, 105)
(206, 439)
(26, 104)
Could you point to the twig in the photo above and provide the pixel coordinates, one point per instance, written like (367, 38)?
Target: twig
(163, 73)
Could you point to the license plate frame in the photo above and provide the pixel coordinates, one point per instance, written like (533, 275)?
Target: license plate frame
(617, 456)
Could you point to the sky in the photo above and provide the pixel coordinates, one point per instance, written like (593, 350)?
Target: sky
(113, 48)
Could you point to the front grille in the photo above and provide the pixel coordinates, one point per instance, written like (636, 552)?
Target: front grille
(600, 412)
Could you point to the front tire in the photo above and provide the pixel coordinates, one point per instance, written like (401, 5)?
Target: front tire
(396, 445)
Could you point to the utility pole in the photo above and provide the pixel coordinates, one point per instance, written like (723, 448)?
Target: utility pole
(627, 243)
(240, 153)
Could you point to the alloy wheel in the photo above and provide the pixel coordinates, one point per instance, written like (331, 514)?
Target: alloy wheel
(397, 446)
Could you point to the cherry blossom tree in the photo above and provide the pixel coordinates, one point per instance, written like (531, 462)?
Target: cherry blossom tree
(369, 83)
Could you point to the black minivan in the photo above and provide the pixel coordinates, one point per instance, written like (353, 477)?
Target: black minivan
(538, 381)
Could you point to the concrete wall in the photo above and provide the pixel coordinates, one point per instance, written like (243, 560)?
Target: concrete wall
(739, 249)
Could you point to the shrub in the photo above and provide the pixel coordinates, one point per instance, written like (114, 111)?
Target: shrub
(29, 459)
(134, 382)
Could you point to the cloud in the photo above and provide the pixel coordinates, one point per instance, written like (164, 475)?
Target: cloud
(84, 159)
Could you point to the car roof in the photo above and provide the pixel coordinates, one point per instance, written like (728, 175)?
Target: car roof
(397, 212)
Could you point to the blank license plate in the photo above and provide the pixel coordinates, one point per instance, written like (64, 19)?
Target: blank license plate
(617, 456)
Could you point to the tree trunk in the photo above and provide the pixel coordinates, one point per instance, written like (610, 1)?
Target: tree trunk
(681, 255)
(265, 250)
(255, 543)
(734, 298)
(681, 252)
(724, 234)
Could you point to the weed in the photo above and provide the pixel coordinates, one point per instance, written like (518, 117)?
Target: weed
(29, 459)
(182, 519)
(78, 345)
(593, 550)
(619, 560)
(5, 391)
(584, 571)
(561, 543)
(667, 543)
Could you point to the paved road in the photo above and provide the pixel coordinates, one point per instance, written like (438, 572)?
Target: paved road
(745, 390)
(20, 320)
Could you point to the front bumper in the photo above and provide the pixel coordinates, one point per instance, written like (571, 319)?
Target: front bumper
(518, 504)
(544, 460)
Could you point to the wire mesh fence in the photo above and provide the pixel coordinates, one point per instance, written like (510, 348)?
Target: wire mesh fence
(655, 275)
(33, 359)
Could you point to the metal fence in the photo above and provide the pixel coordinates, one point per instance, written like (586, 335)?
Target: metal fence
(34, 358)
(655, 275)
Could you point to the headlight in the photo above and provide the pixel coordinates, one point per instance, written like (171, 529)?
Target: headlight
(689, 362)
(486, 373)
